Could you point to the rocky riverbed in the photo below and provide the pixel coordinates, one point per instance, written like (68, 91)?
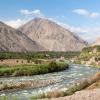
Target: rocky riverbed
(24, 84)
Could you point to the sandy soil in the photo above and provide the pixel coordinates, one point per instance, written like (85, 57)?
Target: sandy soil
(82, 95)
(13, 62)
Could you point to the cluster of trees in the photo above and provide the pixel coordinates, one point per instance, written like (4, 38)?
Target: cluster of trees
(88, 53)
(89, 49)
(37, 55)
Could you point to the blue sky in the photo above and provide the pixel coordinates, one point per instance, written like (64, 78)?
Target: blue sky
(80, 16)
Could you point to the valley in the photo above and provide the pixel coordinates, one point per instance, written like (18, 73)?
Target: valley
(39, 74)
(42, 59)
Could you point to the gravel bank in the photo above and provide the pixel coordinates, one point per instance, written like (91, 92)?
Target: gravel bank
(82, 95)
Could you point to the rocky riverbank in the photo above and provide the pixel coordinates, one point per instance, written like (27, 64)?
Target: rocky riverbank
(83, 84)
(92, 92)
(24, 85)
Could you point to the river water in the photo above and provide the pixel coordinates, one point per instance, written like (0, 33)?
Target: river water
(63, 79)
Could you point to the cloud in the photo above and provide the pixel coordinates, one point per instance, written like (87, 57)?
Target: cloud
(85, 12)
(35, 13)
(28, 15)
(88, 34)
(16, 23)
(81, 11)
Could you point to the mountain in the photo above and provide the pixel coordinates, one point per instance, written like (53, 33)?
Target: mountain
(97, 42)
(52, 36)
(14, 40)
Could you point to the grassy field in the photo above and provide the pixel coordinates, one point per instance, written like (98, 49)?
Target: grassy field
(32, 69)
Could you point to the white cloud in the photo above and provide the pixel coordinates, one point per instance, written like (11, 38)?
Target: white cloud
(25, 11)
(81, 11)
(35, 13)
(85, 12)
(16, 23)
(28, 15)
(88, 34)
(95, 14)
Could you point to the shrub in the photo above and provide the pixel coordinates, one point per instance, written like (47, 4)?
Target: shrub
(53, 66)
(28, 61)
(17, 61)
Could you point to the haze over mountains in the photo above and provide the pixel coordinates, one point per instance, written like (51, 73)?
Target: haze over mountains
(97, 42)
(39, 35)
(52, 36)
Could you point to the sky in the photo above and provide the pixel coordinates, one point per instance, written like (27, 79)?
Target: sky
(79, 16)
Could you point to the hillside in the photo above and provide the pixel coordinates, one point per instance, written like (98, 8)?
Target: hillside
(14, 40)
(52, 36)
(90, 56)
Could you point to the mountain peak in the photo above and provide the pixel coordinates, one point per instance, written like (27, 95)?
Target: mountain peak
(52, 36)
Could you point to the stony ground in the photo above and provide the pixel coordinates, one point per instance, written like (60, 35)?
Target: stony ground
(94, 85)
(82, 95)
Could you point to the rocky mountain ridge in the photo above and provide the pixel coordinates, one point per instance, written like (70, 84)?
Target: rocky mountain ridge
(13, 40)
(52, 36)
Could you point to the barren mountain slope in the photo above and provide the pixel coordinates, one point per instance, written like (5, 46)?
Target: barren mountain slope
(52, 36)
(14, 40)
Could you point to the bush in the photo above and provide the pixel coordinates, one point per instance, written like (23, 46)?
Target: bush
(53, 66)
(28, 70)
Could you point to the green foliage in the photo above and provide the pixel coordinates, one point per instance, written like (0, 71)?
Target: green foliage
(3, 98)
(53, 66)
(36, 55)
(89, 49)
(88, 53)
(28, 70)
(6, 98)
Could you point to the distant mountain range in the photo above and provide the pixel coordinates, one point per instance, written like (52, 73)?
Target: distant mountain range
(97, 42)
(39, 35)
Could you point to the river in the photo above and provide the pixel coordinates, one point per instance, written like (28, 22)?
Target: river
(63, 79)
